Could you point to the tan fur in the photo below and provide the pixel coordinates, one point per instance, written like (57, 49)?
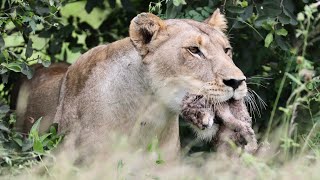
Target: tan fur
(39, 97)
(134, 87)
(218, 20)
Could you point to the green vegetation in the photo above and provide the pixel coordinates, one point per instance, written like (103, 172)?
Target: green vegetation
(275, 42)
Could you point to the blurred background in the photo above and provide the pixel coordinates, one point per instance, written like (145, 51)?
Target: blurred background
(275, 42)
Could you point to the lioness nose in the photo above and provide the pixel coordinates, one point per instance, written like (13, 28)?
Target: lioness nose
(234, 83)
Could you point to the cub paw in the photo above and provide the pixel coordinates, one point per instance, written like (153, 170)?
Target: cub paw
(195, 112)
(251, 147)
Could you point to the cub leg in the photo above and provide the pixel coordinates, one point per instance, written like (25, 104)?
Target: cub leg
(241, 123)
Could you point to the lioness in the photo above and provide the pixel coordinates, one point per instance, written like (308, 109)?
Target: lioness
(135, 86)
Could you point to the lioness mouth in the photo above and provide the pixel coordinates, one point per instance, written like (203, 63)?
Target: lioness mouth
(231, 100)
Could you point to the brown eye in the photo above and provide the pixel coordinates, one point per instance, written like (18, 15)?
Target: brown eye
(227, 50)
(195, 50)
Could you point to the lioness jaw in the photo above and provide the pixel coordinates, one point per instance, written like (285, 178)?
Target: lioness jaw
(134, 87)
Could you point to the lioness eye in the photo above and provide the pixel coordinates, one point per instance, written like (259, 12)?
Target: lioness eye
(227, 50)
(195, 50)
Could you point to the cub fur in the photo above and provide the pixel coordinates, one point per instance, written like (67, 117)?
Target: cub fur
(235, 122)
(135, 86)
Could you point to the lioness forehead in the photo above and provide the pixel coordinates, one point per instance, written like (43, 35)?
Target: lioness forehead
(189, 25)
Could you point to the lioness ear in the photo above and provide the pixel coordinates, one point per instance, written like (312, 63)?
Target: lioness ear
(143, 29)
(217, 20)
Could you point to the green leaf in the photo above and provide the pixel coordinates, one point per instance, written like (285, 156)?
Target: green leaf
(205, 13)
(179, 2)
(26, 70)
(18, 141)
(235, 9)
(4, 128)
(46, 63)
(4, 55)
(282, 32)
(45, 136)
(53, 130)
(12, 66)
(281, 43)
(26, 19)
(92, 4)
(260, 20)
(3, 70)
(27, 144)
(268, 40)
(4, 109)
(2, 43)
(272, 8)
(266, 68)
(36, 125)
(12, 119)
(37, 146)
(247, 13)
(284, 19)
(293, 20)
(29, 49)
(7, 160)
(208, 9)
(35, 129)
(33, 25)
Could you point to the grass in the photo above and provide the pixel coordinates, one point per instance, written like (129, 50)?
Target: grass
(35, 156)
(125, 163)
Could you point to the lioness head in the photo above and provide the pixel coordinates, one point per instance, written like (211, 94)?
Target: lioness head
(188, 56)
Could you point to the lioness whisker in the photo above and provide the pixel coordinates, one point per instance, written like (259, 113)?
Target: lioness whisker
(259, 77)
(249, 102)
(261, 101)
(257, 109)
(253, 103)
(201, 89)
(257, 84)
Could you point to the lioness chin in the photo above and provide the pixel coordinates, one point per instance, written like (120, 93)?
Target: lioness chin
(135, 86)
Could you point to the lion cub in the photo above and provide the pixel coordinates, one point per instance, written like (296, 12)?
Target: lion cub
(236, 121)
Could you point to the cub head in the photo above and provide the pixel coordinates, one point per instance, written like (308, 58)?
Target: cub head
(183, 56)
